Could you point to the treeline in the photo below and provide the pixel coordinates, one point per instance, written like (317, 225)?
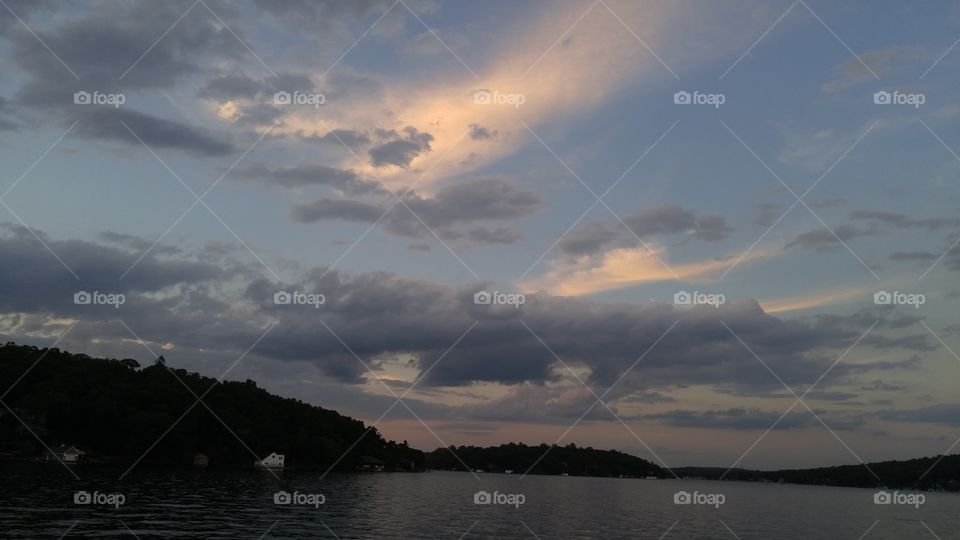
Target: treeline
(519, 458)
(116, 410)
(928, 473)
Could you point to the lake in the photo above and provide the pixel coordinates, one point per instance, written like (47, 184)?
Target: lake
(38, 501)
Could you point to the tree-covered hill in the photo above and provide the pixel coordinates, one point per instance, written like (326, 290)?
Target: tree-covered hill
(519, 458)
(116, 411)
(928, 473)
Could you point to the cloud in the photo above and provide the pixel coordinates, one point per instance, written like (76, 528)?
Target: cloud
(823, 239)
(797, 303)
(400, 148)
(945, 414)
(310, 174)
(482, 199)
(619, 268)
(674, 219)
(480, 133)
(903, 221)
(107, 124)
(348, 137)
(751, 419)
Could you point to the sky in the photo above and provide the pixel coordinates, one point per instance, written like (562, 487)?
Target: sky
(705, 233)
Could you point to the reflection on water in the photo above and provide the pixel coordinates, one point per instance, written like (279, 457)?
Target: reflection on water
(38, 501)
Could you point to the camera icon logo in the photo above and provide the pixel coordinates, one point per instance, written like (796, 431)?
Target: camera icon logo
(282, 497)
(82, 497)
(682, 298)
(881, 98)
(81, 98)
(882, 497)
(482, 298)
(282, 298)
(482, 497)
(882, 298)
(682, 497)
(482, 97)
(82, 298)
(681, 98)
(282, 98)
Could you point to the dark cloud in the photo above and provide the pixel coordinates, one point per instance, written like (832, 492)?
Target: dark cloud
(823, 239)
(239, 86)
(339, 137)
(399, 148)
(480, 133)
(903, 221)
(596, 236)
(457, 204)
(310, 174)
(751, 419)
(945, 414)
(674, 219)
(107, 123)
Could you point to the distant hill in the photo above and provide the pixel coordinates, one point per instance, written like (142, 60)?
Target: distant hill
(567, 459)
(928, 473)
(116, 411)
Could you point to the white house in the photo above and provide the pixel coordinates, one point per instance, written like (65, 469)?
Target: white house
(69, 455)
(273, 461)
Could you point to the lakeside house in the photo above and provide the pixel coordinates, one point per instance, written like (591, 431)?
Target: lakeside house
(69, 455)
(273, 461)
(370, 464)
(201, 460)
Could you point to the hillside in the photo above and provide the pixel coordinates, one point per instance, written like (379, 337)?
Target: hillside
(567, 459)
(116, 411)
